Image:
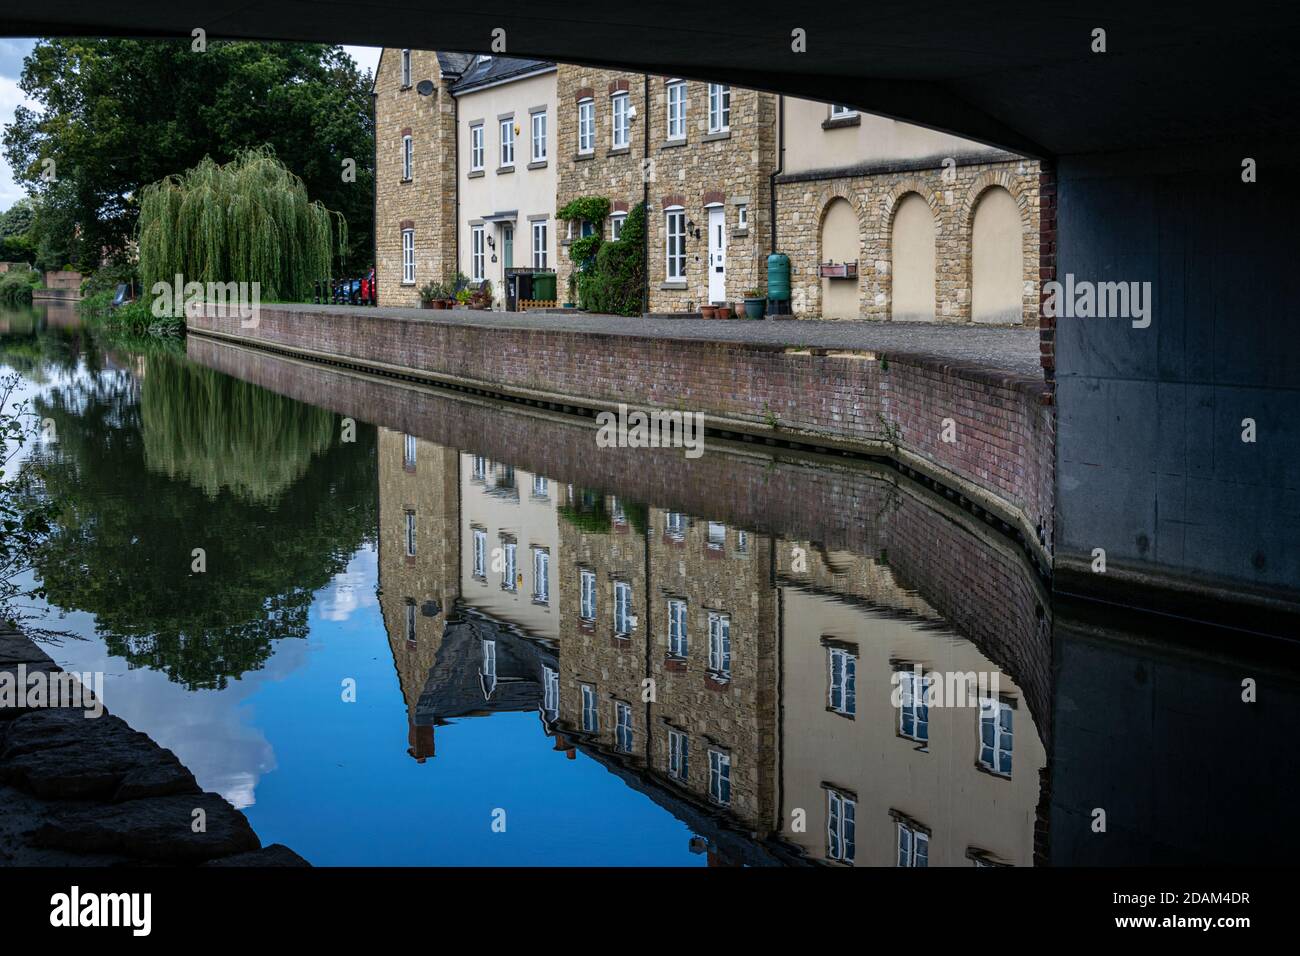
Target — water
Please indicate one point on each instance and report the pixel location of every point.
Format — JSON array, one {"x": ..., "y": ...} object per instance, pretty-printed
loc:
[{"x": 438, "y": 631}]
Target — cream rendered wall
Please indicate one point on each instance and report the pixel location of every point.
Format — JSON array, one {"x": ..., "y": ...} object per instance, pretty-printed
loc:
[
  {"x": 839, "y": 243},
  {"x": 913, "y": 261},
  {"x": 997, "y": 254},
  {"x": 532, "y": 521},
  {"x": 530, "y": 191},
  {"x": 943, "y": 788}
]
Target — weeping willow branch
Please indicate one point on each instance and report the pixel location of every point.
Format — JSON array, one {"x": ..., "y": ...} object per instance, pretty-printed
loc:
[{"x": 247, "y": 221}]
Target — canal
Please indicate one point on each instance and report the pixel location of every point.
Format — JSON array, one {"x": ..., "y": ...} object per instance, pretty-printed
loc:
[{"x": 402, "y": 627}]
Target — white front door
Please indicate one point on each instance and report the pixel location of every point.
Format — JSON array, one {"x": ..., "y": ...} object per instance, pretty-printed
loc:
[{"x": 717, "y": 254}]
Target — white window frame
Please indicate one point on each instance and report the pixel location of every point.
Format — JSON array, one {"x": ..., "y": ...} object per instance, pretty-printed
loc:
[
  {"x": 408, "y": 257},
  {"x": 480, "y": 553},
  {"x": 675, "y": 97},
  {"x": 912, "y": 690},
  {"x": 509, "y": 568},
  {"x": 675, "y": 525},
  {"x": 410, "y": 534},
  {"x": 408, "y": 158},
  {"x": 719, "y": 107},
  {"x": 677, "y": 639},
  {"x": 720, "y": 777},
  {"x": 716, "y": 535},
  {"x": 616, "y": 223},
  {"x": 620, "y": 122},
  {"x": 476, "y": 150},
  {"x": 720, "y": 643},
  {"x": 909, "y": 841},
  {"x": 1003, "y": 741},
  {"x": 742, "y": 215},
  {"x": 539, "y": 231},
  {"x": 410, "y": 620},
  {"x": 674, "y": 229},
  {"x": 477, "y": 252},
  {"x": 586, "y": 126},
  {"x": 406, "y": 69},
  {"x": 541, "y": 575},
  {"x": 842, "y": 694},
  {"x": 541, "y": 487},
  {"x": 624, "y": 735},
  {"x": 538, "y": 123},
  {"x": 622, "y": 608},
  {"x": 841, "y": 826},
  {"x": 590, "y": 710},
  {"x": 839, "y": 111},
  {"x": 489, "y": 668},
  {"x": 679, "y": 755},
  {"x": 409, "y": 445},
  {"x": 742, "y": 542},
  {"x": 507, "y": 154},
  {"x": 550, "y": 689},
  {"x": 587, "y": 592}
]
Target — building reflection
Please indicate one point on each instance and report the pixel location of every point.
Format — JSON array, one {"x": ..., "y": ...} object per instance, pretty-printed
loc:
[{"x": 770, "y": 693}]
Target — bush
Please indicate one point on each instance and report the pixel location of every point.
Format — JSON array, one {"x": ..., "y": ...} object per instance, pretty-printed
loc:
[
  {"x": 16, "y": 286},
  {"x": 614, "y": 283},
  {"x": 137, "y": 318}
]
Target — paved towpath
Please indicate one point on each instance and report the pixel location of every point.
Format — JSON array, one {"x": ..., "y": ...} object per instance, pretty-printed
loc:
[{"x": 994, "y": 348}]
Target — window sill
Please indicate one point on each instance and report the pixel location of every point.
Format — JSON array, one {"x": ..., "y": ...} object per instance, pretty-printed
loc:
[
  {"x": 619, "y": 151},
  {"x": 841, "y": 122},
  {"x": 538, "y": 164},
  {"x": 410, "y": 284},
  {"x": 475, "y": 173},
  {"x": 673, "y": 143},
  {"x": 578, "y": 157},
  {"x": 405, "y": 181},
  {"x": 715, "y": 137},
  {"x": 739, "y": 233},
  {"x": 502, "y": 170},
  {"x": 674, "y": 284},
  {"x": 839, "y": 713},
  {"x": 541, "y": 602}
]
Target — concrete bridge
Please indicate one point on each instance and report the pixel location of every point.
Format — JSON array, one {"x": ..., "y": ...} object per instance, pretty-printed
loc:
[{"x": 1170, "y": 134}]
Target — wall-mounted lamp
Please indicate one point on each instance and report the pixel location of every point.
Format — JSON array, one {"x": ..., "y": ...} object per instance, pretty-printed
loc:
[{"x": 492, "y": 243}]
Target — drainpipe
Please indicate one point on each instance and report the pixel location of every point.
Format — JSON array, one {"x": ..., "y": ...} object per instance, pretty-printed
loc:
[
  {"x": 645, "y": 197},
  {"x": 455, "y": 151},
  {"x": 374, "y": 216},
  {"x": 780, "y": 162}
]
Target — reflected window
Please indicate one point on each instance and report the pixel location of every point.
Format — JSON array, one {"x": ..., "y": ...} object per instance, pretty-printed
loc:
[
  {"x": 913, "y": 712},
  {"x": 842, "y": 112},
  {"x": 996, "y": 736},
  {"x": 408, "y": 452},
  {"x": 508, "y": 569},
  {"x": 678, "y": 755},
  {"x": 720, "y": 777},
  {"x": 742, "y": 542},
  {"x": 677, "y": 628},
  {"x": 675, "y": 525},
  {"x": 913, "y": 845},
  {"x": 550, "y": 691},
  {"x": 623, "y": 620},
  {"x": 541, "y": 575},
  {"x": 480, "y": 553},
  {"x": 480, "y": 468},
  {"x": 841, "y": 814},
  {"x": 489, "y": 669},
  {"x": 410, "y": 534},
  {"x": 541, "y": 487},
  {"x": 843, "y": 683},
  {"x": 410, "y": 620},
  {"x": 587, "y": 580},
  {"x": 623, "y": 726},
  {"x": 717, "y": 535},
  {"x": 590, "y": 718},
  {"x": 720, "y": 643}
]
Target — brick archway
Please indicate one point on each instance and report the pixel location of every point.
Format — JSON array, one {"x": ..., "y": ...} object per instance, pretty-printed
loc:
[
  {"x": 889, "y": 203},
  {"x": 989, "y": 180}
]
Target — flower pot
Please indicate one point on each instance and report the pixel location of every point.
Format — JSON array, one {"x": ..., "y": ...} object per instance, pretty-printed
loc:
[
  {"x": 709, "y": 311},
  {"x": 754, "y": 308},
  {"x": 724, "y": 311},
  {"x": 427, "y": 304}
]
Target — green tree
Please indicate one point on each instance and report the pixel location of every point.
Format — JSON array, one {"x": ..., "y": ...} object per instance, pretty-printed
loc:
[{"x": 118, "y": 114}]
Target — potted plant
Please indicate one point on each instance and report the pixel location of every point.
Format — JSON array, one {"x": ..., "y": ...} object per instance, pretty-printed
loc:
[
  {"x": 724, "y": 310},
  {"x": 463, "y": 298},
  {"x": 429, "y": 294},
  {"x": 755, "y": 302},
  {"x": 709, "y": 311}
]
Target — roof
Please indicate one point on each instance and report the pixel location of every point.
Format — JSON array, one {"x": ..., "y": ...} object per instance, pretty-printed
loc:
[{"x": 496, "y": 69}]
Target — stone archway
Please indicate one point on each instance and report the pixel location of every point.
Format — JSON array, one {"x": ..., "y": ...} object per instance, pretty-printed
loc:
[
  {"x": 992, "y": 263},
  {"x": 915, "y": 244},
  {"x": 839, "y": 239}
]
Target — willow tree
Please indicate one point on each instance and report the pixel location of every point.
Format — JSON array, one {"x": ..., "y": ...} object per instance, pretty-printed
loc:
[{"x": 248, "y": 220}]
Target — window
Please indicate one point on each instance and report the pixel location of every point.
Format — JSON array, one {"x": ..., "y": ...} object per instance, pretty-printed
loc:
[
  {"x": 508, "y": 580},
  {"x": 541, "y": 575},
  {"x": 586, "y": 126},
  {"x": 676, "y": 92},
  {"x": 677, "y": 627},
  {"x": 408, "y": 256},
  {"x": 477, "y": 255},
  {"x": 539, "y": 137},
  {"x": 550, "y": 690},
  {"x": 678, "y": 755},
  {"x": 913, "y": 711},
  {"x": 489, "y": 669},
  {"x": 742, "y": 215},
  {"x": 587, "y": 582},
  {"x": 621, "y": 122},
  {"x": 719, "y": 108},
  {"x": 717, "y": 535},
  {"x": 408, "y": 452},
  {"x": 410, "y": 534},
  {"x": 410, "y": 619},
  {"x": 623, "y": 620},
  {"x": 407, "y": 157},
  {"x": 622, "y": 727},
  {"x": 675, "y": 525},
  {"x": 541, "y": 487},
  {"x": 480, "y": 468},
  {"x": 675, "y": 244},
  {"x": 841, "y": 112},
  {"x": 844, "y": 674},
  {"x": 480, "y": 553},
  {"x": 539, "y": 244},
  {"x": 720, "y": 643},
  {"x": 508, "y": 142},
  {"x": 616, "y": 225},
  {"x": 590, "y": 718},
  {"x": 406, "y": 68},
  {"x": 476, "y": 148},
  {"x": 840, "y": 813},
  {"x": 913, "y": 846},
  {"x": 995, "y": 736},
  {"x": 720, "y": 777},
  {"x": 742, "y": 542}
]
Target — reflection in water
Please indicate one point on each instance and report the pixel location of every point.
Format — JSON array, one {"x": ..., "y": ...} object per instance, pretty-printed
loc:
[{"x": 740, "y": 659}]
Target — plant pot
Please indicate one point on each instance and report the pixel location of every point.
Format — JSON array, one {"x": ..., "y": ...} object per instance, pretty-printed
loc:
[
  {"x": 570, "y": 305},
  {"x": 709, "y": 311},
  {"x": 724, "y": 311},
  {"x": 754, "y": 308},
  {"x": 427, "y": 305}
]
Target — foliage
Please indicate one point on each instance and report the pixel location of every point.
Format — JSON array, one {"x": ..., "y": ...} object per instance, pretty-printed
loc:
[
  {"x": 116, "y": 114},
  {"x": 431, "y": 291},
  {"x": 246, "y": 221},
  {"x": 592, "y": 209},
  {"x": 614, "y": 283},
  {"x": 16, "y": 285},
  {"x": 136, "y": 319},
  {"x": 17, "y": 219}
]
